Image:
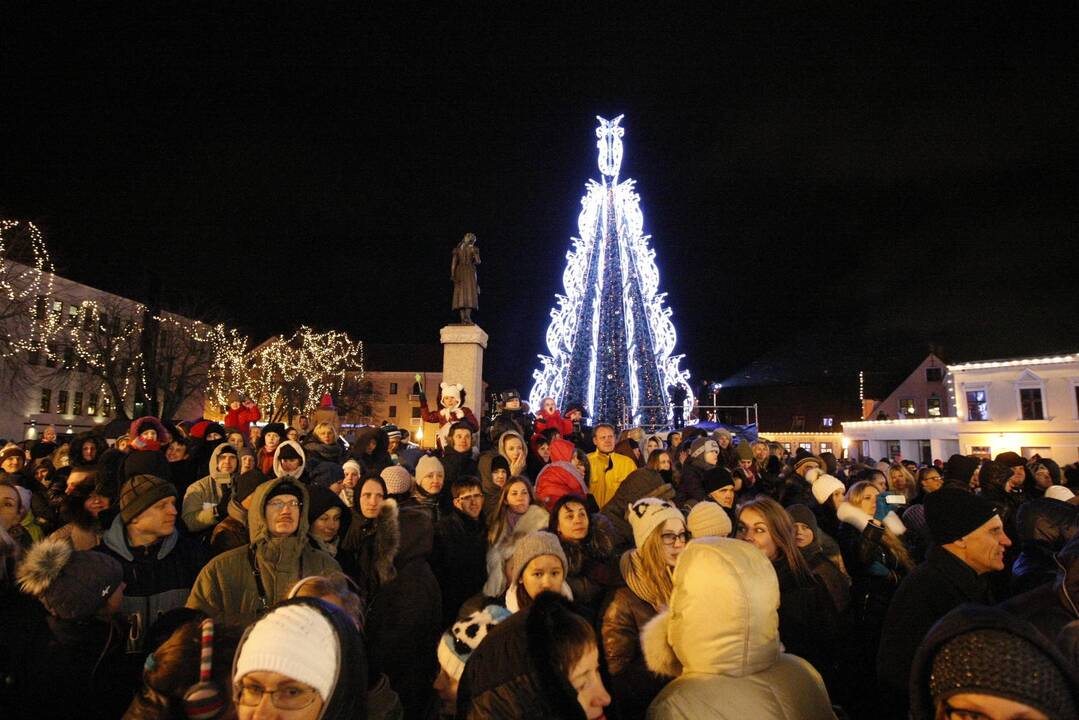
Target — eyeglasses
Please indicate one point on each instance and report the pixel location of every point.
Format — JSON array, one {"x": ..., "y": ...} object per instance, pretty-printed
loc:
[
  {"x": 290, "y": 697},
  {"x": 470, "y": 498},
  {"x": 672, "y": 538},
  {"x": 280, "y": 505}
]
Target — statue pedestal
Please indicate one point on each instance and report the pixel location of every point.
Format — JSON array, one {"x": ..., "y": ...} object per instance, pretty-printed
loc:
[{"x": 462, "y": 362}]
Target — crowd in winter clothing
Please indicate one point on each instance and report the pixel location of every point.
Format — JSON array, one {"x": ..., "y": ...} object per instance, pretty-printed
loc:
[{"x": 530, "y": 567}]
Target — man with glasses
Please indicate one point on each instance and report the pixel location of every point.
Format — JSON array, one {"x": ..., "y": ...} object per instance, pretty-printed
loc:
[
  {"x": 459, "y": 559},
  {"x": 239, "y": 585}
]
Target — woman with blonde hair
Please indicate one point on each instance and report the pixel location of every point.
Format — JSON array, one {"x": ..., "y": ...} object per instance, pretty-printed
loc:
[
  {"x": 877, "y": 561},
  {"x": 901, "y": 481},
  {"x": 516, "y": 514},
  {"x": 512, "y": 447},
  {"x": 660, "y": 534}
]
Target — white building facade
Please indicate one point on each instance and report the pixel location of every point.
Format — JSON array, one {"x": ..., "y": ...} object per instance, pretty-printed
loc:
[{"x": 1024, "y": 405}]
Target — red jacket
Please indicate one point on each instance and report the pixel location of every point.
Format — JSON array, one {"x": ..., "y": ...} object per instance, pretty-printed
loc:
[
  {"x": 445, "y": 418},
  {"x": 559, "y": 477},
  {"x": 242, "y": 417},
  {"x": 546, "y": 420}
]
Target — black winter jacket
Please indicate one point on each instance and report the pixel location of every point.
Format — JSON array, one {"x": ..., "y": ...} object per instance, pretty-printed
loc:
[{"x": 459, "y": 560}]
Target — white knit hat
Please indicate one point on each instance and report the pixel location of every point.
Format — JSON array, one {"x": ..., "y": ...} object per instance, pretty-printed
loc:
[
  {"x": 428, "y": 463},
  {"x": 824, "y": 486},
  {"x": 397, "y": 479},
  {"x": 708, "y": 519},
  {"x": 1059, "y": 492},
  {"x": 647, "y": 514},
  {"x": 296, "y": 641}
]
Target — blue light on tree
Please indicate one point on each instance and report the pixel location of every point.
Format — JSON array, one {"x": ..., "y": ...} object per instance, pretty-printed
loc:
[{"x": 610, "y": 339}]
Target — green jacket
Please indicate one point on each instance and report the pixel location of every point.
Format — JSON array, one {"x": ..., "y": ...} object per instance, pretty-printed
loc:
[{"x": 226, "y": 589}]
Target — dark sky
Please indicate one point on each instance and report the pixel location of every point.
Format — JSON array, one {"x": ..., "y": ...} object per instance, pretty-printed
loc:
[{"x": 866, "y": 183}]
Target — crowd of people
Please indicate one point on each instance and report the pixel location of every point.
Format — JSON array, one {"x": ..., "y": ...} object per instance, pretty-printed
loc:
[{"x": 534, "y": 567}]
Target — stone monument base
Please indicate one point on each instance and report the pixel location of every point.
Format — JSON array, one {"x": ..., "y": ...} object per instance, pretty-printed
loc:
[{"x": 462, "y": 362}]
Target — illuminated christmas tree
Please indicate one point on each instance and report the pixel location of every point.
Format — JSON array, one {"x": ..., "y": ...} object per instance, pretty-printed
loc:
[{"x": 611, "y": 337}]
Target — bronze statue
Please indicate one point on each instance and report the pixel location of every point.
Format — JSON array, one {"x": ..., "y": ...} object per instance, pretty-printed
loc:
[{"x": 466, "y": 289}]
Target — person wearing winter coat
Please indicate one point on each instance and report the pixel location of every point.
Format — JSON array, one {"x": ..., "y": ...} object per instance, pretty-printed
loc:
[
  {"x": 459, "y": 558},
  {"x": 457, "y": 458},
  {"x": 719, "y": 639},
  {"x": 455, "y": 648},
  {"x": 268, "y": 440},
  {"x": 240, "y": 584},
  {"x": 797, "y": 487},
  {"x": 14, "y": 509},
  {"x": 511, "y": 447},
  {"x": 984, "y": 663},
  {"x": 542, "y": 663},
  {"x": 807, "y": 537},
  {"x": 970, "y": 543},
  {"x": 641, "y": 483},
  {"x": 289, "y": 460},
  {"x": 159, "y": 564},
  {"x": 369, "y": 449},
  {"x": 241, "y": 414},
  {"x": 328, "y": 520},
  {"x": 206, "y": 500},
  {"x": 323, "y": 446},
  {"x": 1043, "y": 527},
  {"x": 607, "y": 468},
  {"x": 516, "y": 514},
  {"x": 88, "y": 510},
  {"x": 808, "y": 619},
  {"x": 428, "y": 489},
  {"x": 146, "y": 451},
  {"x": 591, "y": 565},
  {"x": 391, "y": 550},
  {"x": 77, "y": 660},
  {"x": 703, "y": 456},
  {"x": 231, "y": 531},
  {"x": 659, "y": 530},
  {"x": 561, "y": 476},
  {"x": 549, "y": 416},
  {"x": 1054, "y": 604},
  {"x": 310, "y": 655},
  {"x": 453, "y": 411}
]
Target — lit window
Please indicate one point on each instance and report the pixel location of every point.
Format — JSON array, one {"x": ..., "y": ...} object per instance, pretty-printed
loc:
[
  {"x": 76, "y": 409},
  {"x": 61, "y": 402},
  {"x": 977, "y": 405},
  {"x": 982, "y": 451},
  {"x": 786, "y": 446},
  {"x": 806, "y": 446},
  {"x": 826, "y": 447},
  {"x": 935, "y": 407},
  {"x": 908, "y": 408},
  {"x": 1030, "y": 403},
  {"x": 827, "y": 421},
  {"x": 92, "y": 407}
]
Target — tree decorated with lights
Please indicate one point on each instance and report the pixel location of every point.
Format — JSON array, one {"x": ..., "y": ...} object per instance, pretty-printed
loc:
[{"x": 611, "y": 336}]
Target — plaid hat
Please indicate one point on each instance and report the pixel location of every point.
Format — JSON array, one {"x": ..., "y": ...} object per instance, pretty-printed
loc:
[
  {"x": 647, "y": 514},
  {"x": 952, "y": 513},
  {"x": 708, "y": 519},
  {"x": 398, "y": 480},
  {"x": 142, "y": 491},
  {"x": 72, "y": 584},
  {"x": 465, "y": 635}
]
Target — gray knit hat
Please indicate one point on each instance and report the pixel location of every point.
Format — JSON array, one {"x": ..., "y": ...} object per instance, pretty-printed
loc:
[
  {"x": 531, "y": 546},
  {"x": 398, "y": 480},
  {"x": 142, "y": 491},
  {"x": 72, "y": 584}
]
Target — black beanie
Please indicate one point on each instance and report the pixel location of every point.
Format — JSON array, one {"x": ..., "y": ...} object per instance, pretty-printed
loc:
[
  {"x": 960, "y": 467},
  {"x": 716, "y": 478},
  {"x": 321, "y": 499},
  {"x": 286, "y": 488},
  {"x": 952, "y": 513},
  {"x": 994, "y": 474},
  {"x": 146, "y": 425},
  {"x": 246, "y": 484},
  {"x": 287, "y": 452},
  {"x": 500, "y": 463}
]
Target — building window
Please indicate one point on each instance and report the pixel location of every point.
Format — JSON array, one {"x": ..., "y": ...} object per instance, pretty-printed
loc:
[
  {"x": 50, "y": 358},
  {"x": 806, "y": 446},
  {"x": 69, "y": 356},
  {"x": 934, "y": 374},
  {"x": 826, "y": 447},
  {"x": 61, "y": 402},
  {"x": 907, "y": 408},
  {"x": 981, "y": 451},
  {"x": 827, "y": 421},
  {"x": 92, "y": 407},
  {"x": 393, "y": 388},
  {"x": 87, "y": 320},
  {"x": 798, "y": 422},
  {"x": 786, "y": 446},
  {"x": 46, "y": 400},
  {"x": 73, "y": 315},
  {"x": 977, "y": 405},
  {"x": 416, "y": 413},
  {"x": 58, "y": 310},
  {"x": 894, "y": 450},
  {"x": 106, "y": 406},
  {"x": 934, "y": 407},
  {"x": 76, "y": 409},
  {"x": 925, "y": 452},
  {"x": 393, "y": 411},
  {"x": 39, "y": 308},
  {"x": 1030, "y": 404}
]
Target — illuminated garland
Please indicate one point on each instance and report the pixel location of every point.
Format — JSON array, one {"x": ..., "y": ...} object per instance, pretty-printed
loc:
[
  {"x": 611, "y": 337},
  {"x": 20, "y": 286}
]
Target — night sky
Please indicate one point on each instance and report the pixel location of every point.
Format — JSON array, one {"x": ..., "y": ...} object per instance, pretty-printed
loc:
[{"x": 856, "y": 186}]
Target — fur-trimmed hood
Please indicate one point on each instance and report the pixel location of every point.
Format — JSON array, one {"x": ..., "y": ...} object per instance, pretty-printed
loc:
[
  {"x": 163, "y": 435},
  {"x": 691, "y": 636},
  {"x": 277, "y": 471},
  {"x": 534, "y": 518}
]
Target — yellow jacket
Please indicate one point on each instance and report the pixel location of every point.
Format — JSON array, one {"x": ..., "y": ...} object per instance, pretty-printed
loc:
[{"x": 604, "y": 482}]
